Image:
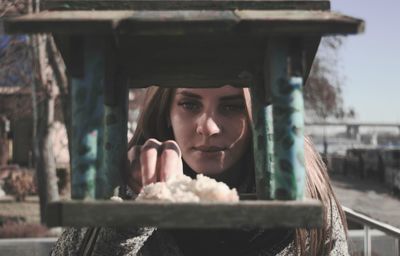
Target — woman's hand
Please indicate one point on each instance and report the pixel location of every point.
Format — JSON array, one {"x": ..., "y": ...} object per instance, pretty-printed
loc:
[{"x": 152, "y": 162}]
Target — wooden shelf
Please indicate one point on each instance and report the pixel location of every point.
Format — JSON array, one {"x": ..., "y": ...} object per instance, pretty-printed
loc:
[{"x": 248, "y": 213}]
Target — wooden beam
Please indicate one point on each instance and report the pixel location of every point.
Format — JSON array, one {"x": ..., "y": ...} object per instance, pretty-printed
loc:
[
  {"x": 130, "y": 22},
  {"x": 150, "y": 23},
  {"x": 262, "y": 214},
  {"x": 185, "y": 5},
  {"x": 114, "y": 144},
  {"x": 192, "y": 61},
  {"x": 78, "y": 22},
  {"x": 297, "y": 23}
]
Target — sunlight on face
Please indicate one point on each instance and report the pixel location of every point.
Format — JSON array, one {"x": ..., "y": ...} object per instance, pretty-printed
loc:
[{"x": 211, "y": 127}]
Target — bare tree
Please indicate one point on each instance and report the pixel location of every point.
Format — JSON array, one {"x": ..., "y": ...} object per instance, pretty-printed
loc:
[
  {"x": 43, "y": 80},
  {"x": 323, "y": 92},
  {"x": 43, "y": 120}
]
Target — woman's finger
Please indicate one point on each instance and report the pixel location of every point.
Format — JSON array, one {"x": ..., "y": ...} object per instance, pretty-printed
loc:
[
  {"x": 170, "y": 160},
  {"x": 133, "y": 152},
  {"x": 134, "y": 170},
  {"x": 148, "y": 161}
]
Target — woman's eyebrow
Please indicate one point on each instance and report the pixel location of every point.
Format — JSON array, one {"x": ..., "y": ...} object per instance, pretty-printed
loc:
[
  {"x": 232, "y": 97},
  {"x": 189, "y": 94},
  {"x": 223, "y": 98}
]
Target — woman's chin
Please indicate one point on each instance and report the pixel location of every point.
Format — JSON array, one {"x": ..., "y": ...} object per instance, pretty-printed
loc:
[{"x": 209, "y": 170}]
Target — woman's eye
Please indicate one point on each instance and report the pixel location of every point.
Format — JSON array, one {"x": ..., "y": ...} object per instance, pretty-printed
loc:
[
  {"x": 233, "y": 108},
  {"x": 188, "y": 105}
]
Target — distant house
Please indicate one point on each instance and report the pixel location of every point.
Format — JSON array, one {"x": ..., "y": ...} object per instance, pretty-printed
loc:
[
  {"x": 16, "y": 125},
  {"x": 15, "y": 95}
]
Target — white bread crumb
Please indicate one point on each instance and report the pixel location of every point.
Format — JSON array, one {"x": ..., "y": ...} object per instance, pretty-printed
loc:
[
  {"x": 184, "y": 189},
  {"x": 116, "y": 199}
]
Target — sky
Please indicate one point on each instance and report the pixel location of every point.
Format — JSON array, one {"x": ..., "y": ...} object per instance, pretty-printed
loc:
[{"x": 370, "y": 62}]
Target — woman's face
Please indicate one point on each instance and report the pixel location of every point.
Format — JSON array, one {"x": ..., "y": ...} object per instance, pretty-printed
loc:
[{"x": 211, "y": 127}]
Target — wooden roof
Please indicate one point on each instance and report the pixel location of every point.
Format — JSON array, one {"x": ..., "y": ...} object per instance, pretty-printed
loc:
[
  {"x": 145, "y": 22},
  {"x": 185, "y": 5},
  {"x": 238, "y": 23},
  {"x": 172, "y": 17}
]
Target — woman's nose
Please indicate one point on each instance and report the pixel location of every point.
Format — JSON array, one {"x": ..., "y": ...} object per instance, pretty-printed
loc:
[{"x": 208, "y": 126}]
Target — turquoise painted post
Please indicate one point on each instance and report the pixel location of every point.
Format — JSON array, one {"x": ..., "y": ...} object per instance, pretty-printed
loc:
[
  {"x": 87, "y": 113},
  {"x": 115, "y": 125},
  {"x": 288, "y": 117},
  {"x": 262, "y": 146}
]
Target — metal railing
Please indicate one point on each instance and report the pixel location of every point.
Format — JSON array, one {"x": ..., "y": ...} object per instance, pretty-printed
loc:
[{"x": 369, "y": 224}]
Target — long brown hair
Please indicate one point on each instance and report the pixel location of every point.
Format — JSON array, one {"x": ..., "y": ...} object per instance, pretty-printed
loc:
[
  {"x": 153, "y": 118},
  {"x": 153, "y": 123},
  {"x": 318, "y": 186}
]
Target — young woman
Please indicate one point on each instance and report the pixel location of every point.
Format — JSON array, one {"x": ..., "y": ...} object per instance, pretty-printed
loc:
[{"x": 208, "y": 131}]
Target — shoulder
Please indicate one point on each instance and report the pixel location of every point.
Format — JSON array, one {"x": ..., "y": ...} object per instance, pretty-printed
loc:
[
  {"x": 338, "y": 229},
  {"x": 102, "y": 241},
  {"x": 161, "y": 243},
  {"x": 124, "y": 242},
  {"x": 69, "y": 242}
]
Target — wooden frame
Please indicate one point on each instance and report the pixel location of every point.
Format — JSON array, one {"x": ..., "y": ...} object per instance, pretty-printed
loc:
[
  {"x": 267, "y": 45},
  {"x": 261, "y": 214},
  {"x": 238, "y": 22},
  {"x": 185, "y": 5}
]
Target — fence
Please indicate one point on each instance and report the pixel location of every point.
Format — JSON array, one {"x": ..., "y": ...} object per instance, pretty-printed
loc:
[{"x": 388, "y": 235}]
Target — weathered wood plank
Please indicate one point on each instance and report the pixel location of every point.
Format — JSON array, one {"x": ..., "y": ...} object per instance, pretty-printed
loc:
[
  {"x": 192, "y": 66},
  {"x": 185, "y": 80},
  {"x": 185, "y": 5},
  {"x": 132, "y": 22},
  {"x": 263, "y": 214},
  {"x": 80, "y": 22},
  {"x": 186, "y": 22},
  {"x": 191, "y": 61},
  {"x": 114, "y": 144},
  {"x": 196, "y": 61},
  {"x": 297, "y": 22}
]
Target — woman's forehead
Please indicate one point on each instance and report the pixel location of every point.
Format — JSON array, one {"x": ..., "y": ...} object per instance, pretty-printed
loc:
[{"x": 226, "y": 90}]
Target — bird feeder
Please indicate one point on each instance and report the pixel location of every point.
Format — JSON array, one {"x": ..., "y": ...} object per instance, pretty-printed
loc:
[{"x": 110, "y": 46}]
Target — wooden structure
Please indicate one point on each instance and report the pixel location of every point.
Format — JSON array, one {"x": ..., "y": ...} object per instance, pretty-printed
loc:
[{"x": 108, "y": 45}]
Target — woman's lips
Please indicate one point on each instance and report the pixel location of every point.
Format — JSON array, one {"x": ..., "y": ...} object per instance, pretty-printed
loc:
[{"x": 209, "y": 149}]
